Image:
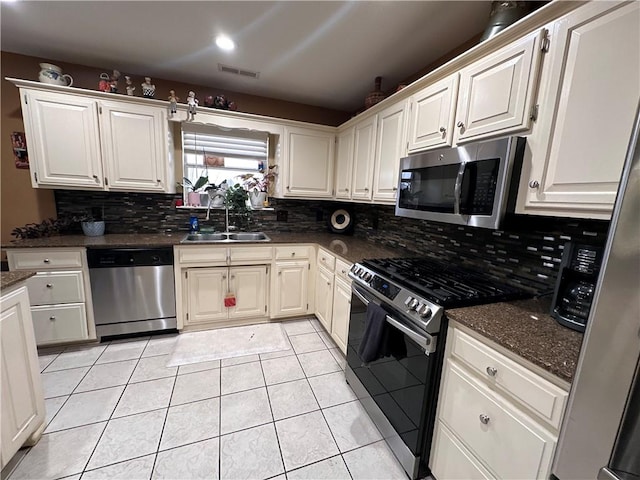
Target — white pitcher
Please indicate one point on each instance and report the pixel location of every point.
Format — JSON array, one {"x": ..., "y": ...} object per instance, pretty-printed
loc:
[{"x": 52, "y": 74}]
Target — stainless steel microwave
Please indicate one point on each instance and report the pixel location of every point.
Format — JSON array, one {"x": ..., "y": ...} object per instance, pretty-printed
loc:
[{"x": 468, "y": 185}]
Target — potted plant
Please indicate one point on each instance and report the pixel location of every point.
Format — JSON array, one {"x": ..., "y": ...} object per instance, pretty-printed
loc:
[
  {"x": 235, "y": 198},
  {"x": 93, "y": 223},
  {"x": 216, "y": 193},
  {"x": 258, "y": 187},
  {"x": 193, "y": 196}
]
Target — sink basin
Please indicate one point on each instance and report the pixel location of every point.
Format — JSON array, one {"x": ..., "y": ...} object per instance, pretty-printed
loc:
[
  {"x": 249, "y": 237},
  {"x": 224, "y": 237}
]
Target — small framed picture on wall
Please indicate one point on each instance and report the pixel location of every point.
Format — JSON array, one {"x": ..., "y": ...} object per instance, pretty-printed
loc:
[{"x": 19, "y": 144}]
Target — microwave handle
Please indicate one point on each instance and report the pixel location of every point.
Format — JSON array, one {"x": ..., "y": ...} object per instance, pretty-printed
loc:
[{"x": 458, "y": 188}]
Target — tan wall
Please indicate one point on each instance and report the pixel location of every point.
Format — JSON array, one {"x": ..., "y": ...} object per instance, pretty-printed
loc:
[{"x": 21, "y": 204}]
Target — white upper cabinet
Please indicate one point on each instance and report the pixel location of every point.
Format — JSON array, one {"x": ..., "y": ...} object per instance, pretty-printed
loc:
[
  {"x": 363, "y": 158},
  {"x": 79, "y": 142},
  {"x": 432, "y": 115},
  {"x": 390, "y": 146},
  {"x": 496, "y": 93},
  {"x": 63, "y": 140},
  {"x": 308, "y": 162},
  {"x": 344, "y": 164},
  {"x": 134, "y": 146},
  {"x": 588, "y": 98}
]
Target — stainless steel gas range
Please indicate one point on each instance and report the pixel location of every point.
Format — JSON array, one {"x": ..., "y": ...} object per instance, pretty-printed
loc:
[{"x": 400, "y": 394}]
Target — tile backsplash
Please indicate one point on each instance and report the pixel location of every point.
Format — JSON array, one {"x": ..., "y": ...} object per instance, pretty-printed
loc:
[{"x": 525, "y": 253}]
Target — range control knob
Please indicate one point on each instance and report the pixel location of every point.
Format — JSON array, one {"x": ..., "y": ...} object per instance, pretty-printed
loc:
[
  {"x": 424, "y": 311},
  {"x": 362, "y": 274},
  {"x": 408, "y": 301},
  {"x": 368, "y": 277},
  {"x": 413, "y": 304}
]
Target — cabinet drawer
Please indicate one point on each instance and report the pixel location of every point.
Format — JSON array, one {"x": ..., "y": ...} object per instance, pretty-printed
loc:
[
  {"x": 291, "y": 252},
  {"x": 56, "y": 287},
  {"x": 451, "y": 460},
  {"x": 326, "y": 259},
  {"x": 202, "y": 254},
  {"x": 39, "y": 259},
  {"x": 342, "y": 270},
  {"x": 59, "y": 324},
  {"x": 507, "y": 441},
  {"x": 533, "y": 391},
  {"x": 250, "y": 254}
]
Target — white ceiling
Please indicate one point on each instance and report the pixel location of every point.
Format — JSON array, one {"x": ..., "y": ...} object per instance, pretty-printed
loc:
[{"x": 324, "y": 53}]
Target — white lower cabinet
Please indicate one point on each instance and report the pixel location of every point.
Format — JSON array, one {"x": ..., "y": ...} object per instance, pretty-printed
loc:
[
  {"x": 341, "y": 313},
  {"x": 486, "y": 427},
  {"x": 208, "y": 287},
  {"x": 324, "y": 297},
  {"x": 290, "y": 289},
  {"x": 21, "y": 396},
  {"x": 333, "y": 296},
  {"x": 60, "y": 293}
]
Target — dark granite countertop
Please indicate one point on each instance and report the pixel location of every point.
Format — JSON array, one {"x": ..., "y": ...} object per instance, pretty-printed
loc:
[
  {"x": 8, "y": 279},
  {"x": 349, "y": 248},
  {"x": 525, "y": 328}
]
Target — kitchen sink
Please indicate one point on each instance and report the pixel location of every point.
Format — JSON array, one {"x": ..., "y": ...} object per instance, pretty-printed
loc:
[{"x": 224, "y": 237}]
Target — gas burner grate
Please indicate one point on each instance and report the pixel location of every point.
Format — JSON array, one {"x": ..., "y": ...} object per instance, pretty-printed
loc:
[{"x": 443, "y": 283}]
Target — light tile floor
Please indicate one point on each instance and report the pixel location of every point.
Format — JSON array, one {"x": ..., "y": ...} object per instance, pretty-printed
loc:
[{"x": 115, "y": 411}]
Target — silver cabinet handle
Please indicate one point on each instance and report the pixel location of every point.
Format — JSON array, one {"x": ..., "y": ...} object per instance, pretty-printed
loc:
[
  {"x": 279, "y": 273},
  {"x": 95, "y": 177},
  {"x": 293, "y": 254},
  {"x": 484, "y": 419},
  {"x": 395, "y": 189},
  {"x": 460, "y": 124},
  {"x": 52, "y": 317},
  {"x": 49, "y": 285},
  {"x": 224, "y": 277},
  {"x": 534, "y": 184},
  {"x": 492, "y": 371},
  {"x": 329, "y": 283},
  {"x": 288, "y": 187},
  {"x": 443, "y": 130},
  {"x": 343, "y": 272},
  {"x": 366, "y": 189},
  {"x": 46, "y": 260},
  {"x": 346, "y": 189}
]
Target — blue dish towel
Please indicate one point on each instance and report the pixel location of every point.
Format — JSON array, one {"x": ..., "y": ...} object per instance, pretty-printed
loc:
[{"x": 380, "y": 339}]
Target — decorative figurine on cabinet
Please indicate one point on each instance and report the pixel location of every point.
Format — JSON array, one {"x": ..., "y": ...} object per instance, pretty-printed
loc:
[
  {"x": 104, "y": 85},
  {"x": 130, "y": 87},
  {"x": 148, "y": 89},
  {"x": 173, "y": 103},
  {"x": 192, "y": 103},
  {"x": 113, "y": 85}
]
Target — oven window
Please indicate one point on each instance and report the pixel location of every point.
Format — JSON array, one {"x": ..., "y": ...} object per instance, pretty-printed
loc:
[
  {"x": 430, "y": 188},
  {"x": 399, "y": 387}
]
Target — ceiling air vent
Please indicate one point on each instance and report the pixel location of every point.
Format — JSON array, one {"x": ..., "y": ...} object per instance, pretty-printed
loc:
[{"x": 238, "y": 71}]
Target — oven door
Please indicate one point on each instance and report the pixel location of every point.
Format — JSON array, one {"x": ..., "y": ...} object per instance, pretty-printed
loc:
[{"x": 398, "y": 394}]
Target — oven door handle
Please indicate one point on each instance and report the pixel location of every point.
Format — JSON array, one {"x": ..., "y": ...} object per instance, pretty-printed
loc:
[
  {"x": 426, "y": 342},
  {"x": 457, "y": 190}
]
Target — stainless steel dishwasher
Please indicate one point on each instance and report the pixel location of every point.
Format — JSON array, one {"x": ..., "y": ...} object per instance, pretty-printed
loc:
[{"x": 133, "y": 290}]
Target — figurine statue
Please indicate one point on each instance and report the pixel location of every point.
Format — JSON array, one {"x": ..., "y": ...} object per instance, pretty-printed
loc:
[
  {"x": 173, "y": 103},
  {"x": 148, "y": 89},
  {"x": 192, "y": 103},
  {"x": 113, "y": 86},
  {"x": 130, "y": 87}
]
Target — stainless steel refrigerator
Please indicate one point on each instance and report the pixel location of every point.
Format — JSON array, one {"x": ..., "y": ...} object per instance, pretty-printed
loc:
[{"x": 600, "y": 433}]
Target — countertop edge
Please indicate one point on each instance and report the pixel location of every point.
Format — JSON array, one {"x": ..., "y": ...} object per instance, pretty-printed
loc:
[{"x": 11, "y": 279}]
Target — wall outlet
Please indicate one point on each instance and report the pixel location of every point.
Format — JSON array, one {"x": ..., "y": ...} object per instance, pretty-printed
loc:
[{"x": 282, "y": 215}]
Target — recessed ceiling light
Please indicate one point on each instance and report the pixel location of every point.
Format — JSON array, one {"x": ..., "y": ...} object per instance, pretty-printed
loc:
[{"x": 225, "y": 43}]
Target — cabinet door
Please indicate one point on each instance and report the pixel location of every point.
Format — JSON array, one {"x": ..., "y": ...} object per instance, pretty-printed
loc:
[
  {"x": 363, "y": 157},
  {"x": 344, "y": 164},
  {"x": 588, "y": 102},
  {"x": 290, "y": 292},
  {"x": 432, "y": 115},
  {"x": 390, "y": 146},
  {"x": 249, "y": 284},
  {"x": 341, "y": 314},
  {"x": 309, "y": 163},
  {"x": 21, "y": 388},
  {"x": 497, "y": 92},
  {"x": 206, "y": 288},
  {"x": 134, "y": 145},
  {"x": 324, "y": 297},
  {"x": 63, "y": 140}
]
